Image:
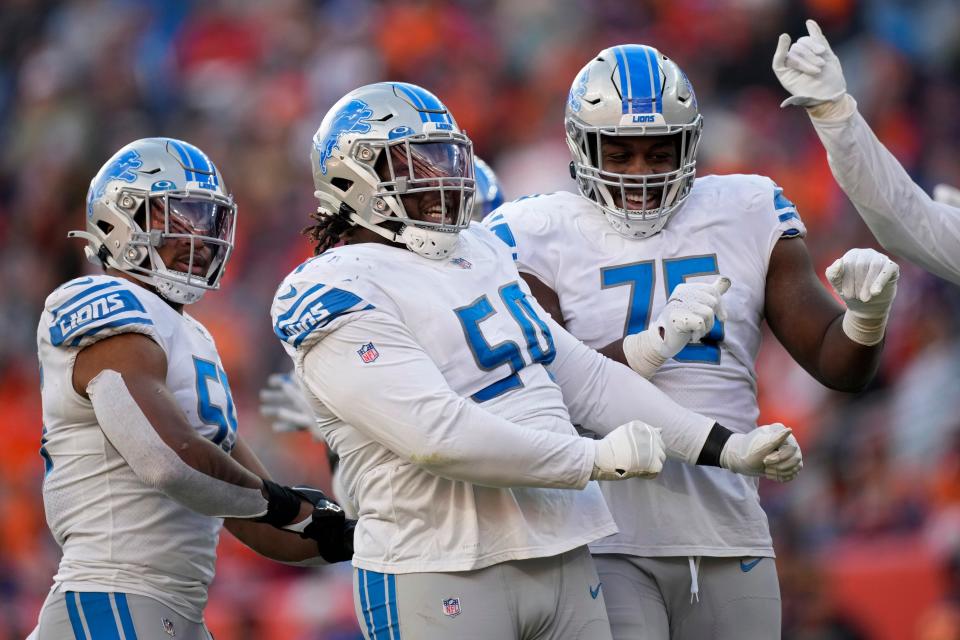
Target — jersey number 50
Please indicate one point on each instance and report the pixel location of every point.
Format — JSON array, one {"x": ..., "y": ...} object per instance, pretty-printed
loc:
[
  {"x": 489, "y": 356},
  {"x": 224, "y": 418}
]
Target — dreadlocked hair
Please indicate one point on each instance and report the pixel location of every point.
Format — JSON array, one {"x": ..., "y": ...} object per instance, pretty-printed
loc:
[{"x": 329, "y": 229}]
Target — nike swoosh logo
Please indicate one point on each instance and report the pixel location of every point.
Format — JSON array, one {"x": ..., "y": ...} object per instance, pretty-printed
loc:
[
  {"x": 289, "y": 294},
  {"x": 595, "y": 592},
  {"x": 747, "y": 565}
]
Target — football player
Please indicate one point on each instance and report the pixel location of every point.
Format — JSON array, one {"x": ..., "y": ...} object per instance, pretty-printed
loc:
[
  {"x": 641, "y": 232},
  {"x": 425, "y": 358},
  {"x": 899, "y": 213},
  {"x": 140, "y": 440}
]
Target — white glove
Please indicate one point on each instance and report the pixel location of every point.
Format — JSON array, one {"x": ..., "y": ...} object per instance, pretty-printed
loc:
[
  {"x": 866, "y": 280},
  {"x": 947, "y": 195},
  {"x": 770, "y": 451},
  {"x": 283, "y": 400},
  {"x": 632, "y": 450},
  {"x": 687, "y": 317},
  {"x": 810, "y": 70},
  {"x": 786, "y": 461}
]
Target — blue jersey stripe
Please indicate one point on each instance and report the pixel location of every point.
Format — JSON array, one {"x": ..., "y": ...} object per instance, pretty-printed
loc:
[
  {"x": 781, "y": 201},
  {"x": 99, "y": 615},
  {"x": 322, "y": 308},
  {"x": 109, "y": 325},
  {"x": 295, "y": 305},
  {"x": 126, "y": 620},
  {"x": 70, "y": 597},
  {"x": 364, "y": 608},
  {"x": 782, "y": 205},
  {"x": 502, "y": 231},
  {"x": 789, "y": 215},
  {"x": 93, "y": 312},
  {"x": 83, "y": 294}
]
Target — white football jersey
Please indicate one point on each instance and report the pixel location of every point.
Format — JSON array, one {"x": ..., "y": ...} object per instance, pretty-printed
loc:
[
  {"x": 470, "y": 314},
  {"x": 609, "y": 286},
  {"x": 118, "y": 534}
]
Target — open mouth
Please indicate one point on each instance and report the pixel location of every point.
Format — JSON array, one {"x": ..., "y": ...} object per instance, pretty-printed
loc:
[
  {"x": 428, "y": 209},
  {"x": 636, "y": 201},
  {"x": 432, "y": 213}
]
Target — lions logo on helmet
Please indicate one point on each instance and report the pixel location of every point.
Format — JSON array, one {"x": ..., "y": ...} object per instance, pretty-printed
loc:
[
  {"x": 390, "y": 157},
  {"x": 632, "y": 90},
  {"x": 156, "y": 191}
]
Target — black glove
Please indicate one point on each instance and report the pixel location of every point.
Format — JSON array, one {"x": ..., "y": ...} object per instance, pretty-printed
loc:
[
  {"x": 327, "y": 525},
  {"x": 283, "y": 504}
]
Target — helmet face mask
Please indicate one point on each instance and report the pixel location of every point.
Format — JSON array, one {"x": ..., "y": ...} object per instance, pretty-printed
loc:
[
  {"x": 392, "y": 158},
  {"x": 630, "y": 92},
  {"x": 158, "y": 211}
]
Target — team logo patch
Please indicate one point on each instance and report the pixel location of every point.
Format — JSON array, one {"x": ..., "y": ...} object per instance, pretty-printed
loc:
[
  {"x": 168, "y": 627},
  {"x": 368, "y": 353},
  {"x": 451, "y": 607},
  {"x": 463, "y": 263}
]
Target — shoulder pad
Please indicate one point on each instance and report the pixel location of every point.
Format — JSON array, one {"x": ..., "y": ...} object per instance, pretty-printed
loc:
[
  {"x": 305, "y": 306},
  {"x": 86, "y": 310}
]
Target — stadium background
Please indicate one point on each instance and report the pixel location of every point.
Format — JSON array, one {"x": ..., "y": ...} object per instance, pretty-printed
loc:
[{"x": 868, "y": 537}]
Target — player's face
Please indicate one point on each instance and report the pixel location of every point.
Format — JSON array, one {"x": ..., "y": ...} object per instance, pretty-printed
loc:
[
  {"x": 638, "y": 156},
  {"x": 175, "y": 252},
  {"x": 425, "y": 165}
]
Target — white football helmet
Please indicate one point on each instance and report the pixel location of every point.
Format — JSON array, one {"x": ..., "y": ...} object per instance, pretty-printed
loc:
[
  {"x": 390, "y": 140},
  {"x": 632, "y": 90},
  {"x": 151, "y": 191}
]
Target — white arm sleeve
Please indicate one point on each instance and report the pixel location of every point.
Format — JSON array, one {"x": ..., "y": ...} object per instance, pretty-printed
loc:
[
  {"x": 402, "y": 401},
  {"x": 904, "y": 219},
  {"x": 602, "y": 394},
  {"x": 156, "y": 464}
]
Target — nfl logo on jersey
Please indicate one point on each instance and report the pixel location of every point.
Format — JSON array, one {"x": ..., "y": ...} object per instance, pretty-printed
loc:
[
  {"x": 451, "y": 607},
  {"x": 368, "y": 353}
]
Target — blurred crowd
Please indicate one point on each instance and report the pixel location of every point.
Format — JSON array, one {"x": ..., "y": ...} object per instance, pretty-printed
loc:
[{"x": 868, "y": 537}]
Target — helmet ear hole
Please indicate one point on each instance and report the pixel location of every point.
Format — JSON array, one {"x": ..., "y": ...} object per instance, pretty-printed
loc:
[{"x": 342, "y": 184}]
